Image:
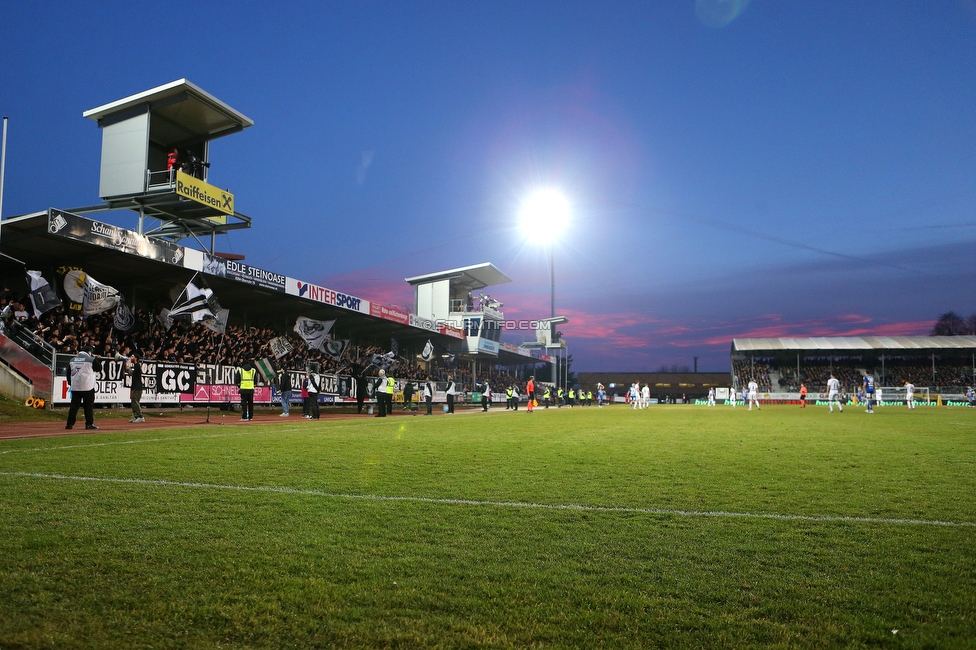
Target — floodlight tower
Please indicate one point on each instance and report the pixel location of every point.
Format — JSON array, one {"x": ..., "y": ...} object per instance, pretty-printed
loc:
[{"x": 545, "y": 214}]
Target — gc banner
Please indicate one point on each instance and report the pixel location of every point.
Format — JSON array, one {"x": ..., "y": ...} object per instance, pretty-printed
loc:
[{"x": 175, "y": 377}]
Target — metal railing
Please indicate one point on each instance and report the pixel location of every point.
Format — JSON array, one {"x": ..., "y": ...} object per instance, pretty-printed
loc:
[
  {"x": 32, "y": 343},
  {"x": 165, "y": 179}
]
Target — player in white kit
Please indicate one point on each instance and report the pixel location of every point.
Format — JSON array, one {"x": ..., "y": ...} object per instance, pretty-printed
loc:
[
  {"x": 833, "y": 390},
  {"x": 732, "y": 396},
  {"x": 753, "y": 394},
  {"x": 711, "y": 397},
  {"x": 910, "y": 394},
  {"x": 645, "y": 396}
]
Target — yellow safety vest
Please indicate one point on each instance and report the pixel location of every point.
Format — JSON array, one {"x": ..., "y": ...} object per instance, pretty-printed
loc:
[
  {"x": 572, "y": 394},
  {"x": 247, "y": 379},
  {"x": 390, "y": 385}
]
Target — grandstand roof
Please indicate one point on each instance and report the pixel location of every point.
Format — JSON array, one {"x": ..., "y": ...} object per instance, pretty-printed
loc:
[
  {"x": 186, "y": 107},
  {"x": 476, "y": 276},
  {"x": 847, "y": 343},
  {"x": 29, "y": 239}
]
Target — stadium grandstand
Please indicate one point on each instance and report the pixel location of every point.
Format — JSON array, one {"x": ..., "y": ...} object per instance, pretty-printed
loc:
[
  {"x": 939, "y": 366},
  {"x": 943, "y": 365},
  {"x": 114, "y": 286}
]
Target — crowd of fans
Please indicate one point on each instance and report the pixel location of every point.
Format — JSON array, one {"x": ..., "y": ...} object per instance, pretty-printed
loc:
[
  {"x": 815, "y": 376},
  {"x": 68, "y": 332},
  {"x": 746, "y": 370},
  {"x": 894, "y": 372}
]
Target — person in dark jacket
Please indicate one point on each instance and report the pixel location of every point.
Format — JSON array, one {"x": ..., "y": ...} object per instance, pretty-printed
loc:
[
  {"x": 428, "y": 394},
  {"x": 134, "y": 368},
  {"x": 408, "y": 391},
  {"x": 451, "y": 392},
  {"x": 284, "y": 389},
  {"x": 362, "y": 387},
  {"x": 314, "y": 388}
]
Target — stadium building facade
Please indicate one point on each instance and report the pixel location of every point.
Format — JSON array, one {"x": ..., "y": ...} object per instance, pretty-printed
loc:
[{"x": 155, "y": 170}]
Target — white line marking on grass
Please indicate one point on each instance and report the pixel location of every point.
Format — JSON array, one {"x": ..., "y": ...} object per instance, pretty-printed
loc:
[
  {"x": 277, "y": 431},
  {"x": 131, "y": 442},
  {"x": 502, "y": 504}
]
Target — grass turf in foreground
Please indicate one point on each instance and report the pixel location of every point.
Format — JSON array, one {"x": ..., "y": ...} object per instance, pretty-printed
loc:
[{"x": 86, "y": 563}]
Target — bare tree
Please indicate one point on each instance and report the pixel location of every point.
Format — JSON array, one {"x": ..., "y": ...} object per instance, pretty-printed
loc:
[
  {"x": 971, "y": 324},
  {"x": 950, "y": 324}
]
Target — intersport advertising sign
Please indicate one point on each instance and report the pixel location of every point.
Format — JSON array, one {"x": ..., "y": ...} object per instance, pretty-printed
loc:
[{"x": 325, "y": 296}]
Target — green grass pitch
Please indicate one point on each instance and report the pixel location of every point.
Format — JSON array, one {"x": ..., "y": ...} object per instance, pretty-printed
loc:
[{"x": 665, "y": 528}]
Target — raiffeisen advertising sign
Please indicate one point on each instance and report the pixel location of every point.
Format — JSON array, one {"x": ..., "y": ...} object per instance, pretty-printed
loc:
[
  {"x": 326, "y": 296},
  {"x": 196, "y": 190}
]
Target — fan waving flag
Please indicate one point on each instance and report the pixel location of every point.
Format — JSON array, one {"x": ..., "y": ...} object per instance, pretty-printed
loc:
[
  {"x": 335, "y": 349},
  {"x": 266, "y": 368},
  {"x": 280, "y": 346},
  {"x": 383, "y": 361},
  {"x": 164, "y": 319},
  {"x": 98, "y": 297},
  {"x": 124, "y": 319},
  {"x": 219, "y": 322},
  {"x": 446, "y": 355},
  {"x": 195, "y": 303},
  {"x": 42, "y": 295},
  {"x": 314, "y": 332}
]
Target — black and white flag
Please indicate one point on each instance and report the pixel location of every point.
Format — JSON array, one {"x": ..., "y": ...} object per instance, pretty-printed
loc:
[
  {"x": 428, "y": 352},
  {"x": 394, "y": 346},
  {"x": 218, "y": 323},
  {"x": 280, "y": 346},
  {"x": 42, "y": 295},
  {"x": 164, "y": 319},
  {"x": 448, "y": 356},
  {"x": 124, "y": 319},
  {"x": 336, "y": 349},
  {"x": 195, "y": 303},
  {"x": 98, "y": 297},
  {"x": 383, "y": 361},
  {"x": 314, "y": 332}
]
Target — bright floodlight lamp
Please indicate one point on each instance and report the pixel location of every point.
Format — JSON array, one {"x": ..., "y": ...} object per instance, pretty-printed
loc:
[{"x": 545, "y": 214}]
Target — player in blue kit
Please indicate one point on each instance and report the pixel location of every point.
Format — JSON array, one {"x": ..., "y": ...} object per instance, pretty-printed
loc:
[{"x": 869, "y": 392}]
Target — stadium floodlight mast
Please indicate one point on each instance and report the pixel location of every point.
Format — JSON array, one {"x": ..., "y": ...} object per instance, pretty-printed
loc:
[
  {"x": 3, "y": 162},
  {"x": 3, "y": 165},
  {"x": 544, "y": 216}
]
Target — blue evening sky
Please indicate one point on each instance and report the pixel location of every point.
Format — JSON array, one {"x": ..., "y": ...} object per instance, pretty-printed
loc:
[{"x": 763, "y": 168}]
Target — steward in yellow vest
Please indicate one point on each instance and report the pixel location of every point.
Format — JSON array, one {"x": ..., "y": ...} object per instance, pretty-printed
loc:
[
  {"x": 390, "y": 389},
  {"x": 245, "y": 383}
]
